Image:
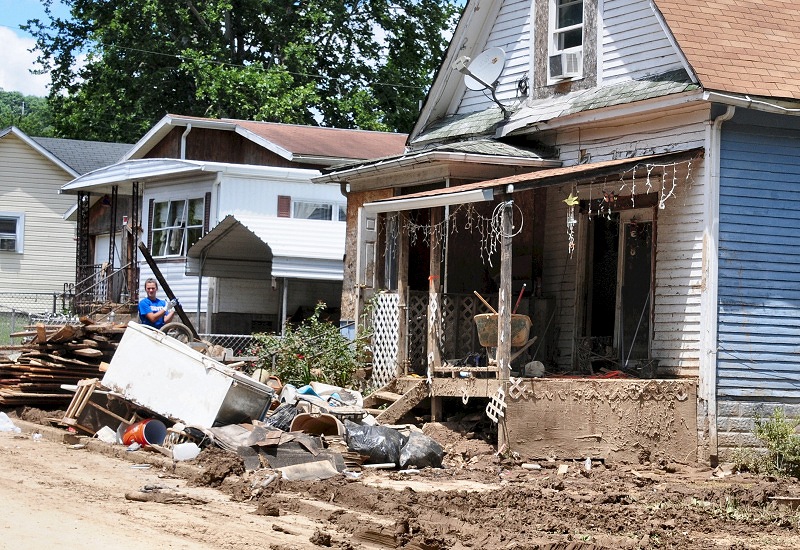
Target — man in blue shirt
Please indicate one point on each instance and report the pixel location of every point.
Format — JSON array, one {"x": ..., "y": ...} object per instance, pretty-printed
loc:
[{"x": 153, "y": 311}]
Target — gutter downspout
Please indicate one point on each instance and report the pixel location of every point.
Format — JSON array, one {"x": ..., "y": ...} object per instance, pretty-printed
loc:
[
  {"x": 708, "y": 356},
  {"x": 183, "y": 140}
]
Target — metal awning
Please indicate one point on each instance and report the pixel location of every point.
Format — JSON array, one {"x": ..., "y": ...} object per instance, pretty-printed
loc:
[
  {"x": 485, "y": 190},
  {"x": 261, "y": 247}
]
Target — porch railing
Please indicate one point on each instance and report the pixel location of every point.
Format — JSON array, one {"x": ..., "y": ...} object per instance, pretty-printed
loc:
[{"x": 97, "y": 284}]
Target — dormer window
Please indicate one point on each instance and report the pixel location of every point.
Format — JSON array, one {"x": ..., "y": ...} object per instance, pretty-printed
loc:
[{"x": 566, "y": 40}]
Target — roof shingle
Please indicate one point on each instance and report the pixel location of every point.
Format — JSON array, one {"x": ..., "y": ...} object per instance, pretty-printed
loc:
[{"x": 740, "y": 46}]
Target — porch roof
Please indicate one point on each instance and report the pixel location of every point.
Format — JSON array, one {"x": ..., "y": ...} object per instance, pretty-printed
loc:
[
  {"x": 485, "y": 190},
  {"x": 260, "y": 247}
]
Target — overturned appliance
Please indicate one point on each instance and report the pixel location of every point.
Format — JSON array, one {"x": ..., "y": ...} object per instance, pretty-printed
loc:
[{"x": 164, "y": 375}]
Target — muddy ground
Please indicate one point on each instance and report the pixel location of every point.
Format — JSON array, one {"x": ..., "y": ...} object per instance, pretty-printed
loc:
[{"x": 479, "y": 500}]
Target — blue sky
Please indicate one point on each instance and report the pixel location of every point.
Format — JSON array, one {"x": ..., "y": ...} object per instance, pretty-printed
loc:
[{"x": 15, "y": 59}]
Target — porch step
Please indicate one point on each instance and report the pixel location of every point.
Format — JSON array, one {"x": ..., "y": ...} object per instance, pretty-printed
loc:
[{"x": 388, "y": 396}]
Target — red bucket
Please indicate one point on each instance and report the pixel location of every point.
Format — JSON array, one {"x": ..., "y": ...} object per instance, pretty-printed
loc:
[{"x": 145, "y": 432}]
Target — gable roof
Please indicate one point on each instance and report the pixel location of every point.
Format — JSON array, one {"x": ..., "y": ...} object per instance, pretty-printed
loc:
[
  {"x": 739, "y": 46},
  {"x": 74, "y": 156},
  {"x": 84, "y": 156},
  {"x": 308, "y": 144}
]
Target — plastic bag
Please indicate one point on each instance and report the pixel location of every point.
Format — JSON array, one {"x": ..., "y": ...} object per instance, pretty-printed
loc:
[
  {"x": 420, "y": 451},
  {"x": 6, "y": 425},
  {"x": 380, "y": 444},
  {"x": 282, "y": 417}
]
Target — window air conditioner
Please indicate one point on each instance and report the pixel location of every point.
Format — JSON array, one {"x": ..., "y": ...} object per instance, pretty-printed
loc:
[{"x": 566, "y": 64}]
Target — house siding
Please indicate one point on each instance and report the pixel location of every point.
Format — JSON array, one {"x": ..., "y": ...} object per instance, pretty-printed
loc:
[
  {"x": 758, "y": 335},
  {"x": 634, "y": 45},
  {"x": 29, "y": 184},
  {"x": 676, "y": 322},
  {"x": 512, "y": 32}
]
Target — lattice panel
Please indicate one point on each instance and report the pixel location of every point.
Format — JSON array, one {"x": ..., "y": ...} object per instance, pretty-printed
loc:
[
  {"x": 460, "y": 337},
  {"x": 417, "y": 331},
  {"x": 385, "y": 324}
]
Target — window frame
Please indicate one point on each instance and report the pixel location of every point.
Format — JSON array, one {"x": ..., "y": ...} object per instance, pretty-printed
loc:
[
  {"x": 555, "y": 34},
  {"x": 179, "y": 227},
  {"x": 19, "y": 233},
  {"x": 338, "y": 210}
]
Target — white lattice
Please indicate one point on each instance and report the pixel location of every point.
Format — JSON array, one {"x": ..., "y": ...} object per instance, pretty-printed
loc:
[{"x": 385, "y": 323}]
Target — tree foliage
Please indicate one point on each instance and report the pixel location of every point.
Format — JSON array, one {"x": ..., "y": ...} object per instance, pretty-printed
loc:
[
  {"x": 119, "y": 66},
  {"x": 29, "y": 113}
]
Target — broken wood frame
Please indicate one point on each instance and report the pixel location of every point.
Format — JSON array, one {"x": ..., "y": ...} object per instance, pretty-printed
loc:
[{"x": 83, "y": 398}]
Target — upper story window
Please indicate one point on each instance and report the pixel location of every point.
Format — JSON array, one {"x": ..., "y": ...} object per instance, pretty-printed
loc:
[
  {"x": 177, "y": 225},
  {"x": 11, "y": 229},
  {"x": 566, "y": 40},
  {"x": 311, "y": 210}
]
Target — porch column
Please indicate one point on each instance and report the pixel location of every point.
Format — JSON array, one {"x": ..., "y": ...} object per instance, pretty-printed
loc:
[
  {"x": 434, "y": 309},
  {"x": 504, "y": 314},
  {"x": 402, "y": 299}
]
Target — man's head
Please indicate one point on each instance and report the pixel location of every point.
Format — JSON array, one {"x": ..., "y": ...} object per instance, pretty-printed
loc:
[{"x": 151, "y": 288}]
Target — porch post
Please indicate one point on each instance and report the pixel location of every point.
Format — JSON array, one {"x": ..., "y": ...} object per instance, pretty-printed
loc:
[
  {"x": 434, "y": 308},
  {"x": 402, "y": 299},
  {"x": 504, "y": 315}
]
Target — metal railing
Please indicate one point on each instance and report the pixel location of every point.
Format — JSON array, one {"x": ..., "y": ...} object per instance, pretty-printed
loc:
[{"x": 98, "y": 284}]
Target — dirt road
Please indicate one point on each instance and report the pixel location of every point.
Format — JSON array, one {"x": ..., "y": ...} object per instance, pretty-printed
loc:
[{"x": 52, "y": 495}]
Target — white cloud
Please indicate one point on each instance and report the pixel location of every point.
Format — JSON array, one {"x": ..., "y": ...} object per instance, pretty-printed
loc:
[{"x": 16, "y": 64}]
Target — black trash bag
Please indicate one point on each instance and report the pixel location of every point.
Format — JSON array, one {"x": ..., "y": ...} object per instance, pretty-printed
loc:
[
  {"x": 420, "y": 451},
  {"x": 380, "y": 444},
  {"x": 282, "y": 417}
]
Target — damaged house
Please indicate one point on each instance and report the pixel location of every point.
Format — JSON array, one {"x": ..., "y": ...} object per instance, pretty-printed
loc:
[
  {"x": 227, "y": 213},
  {"x": 622, "y": 173}
]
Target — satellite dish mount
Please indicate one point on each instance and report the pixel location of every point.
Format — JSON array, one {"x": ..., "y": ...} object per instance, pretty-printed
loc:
[{"x": 483, "y": 72}]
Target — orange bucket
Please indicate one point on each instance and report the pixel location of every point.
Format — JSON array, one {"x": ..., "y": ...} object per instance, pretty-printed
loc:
[{"x": 145, "y": 432}]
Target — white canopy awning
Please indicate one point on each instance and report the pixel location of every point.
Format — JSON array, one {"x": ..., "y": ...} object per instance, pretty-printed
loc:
[{"x": 261, "y": 247}]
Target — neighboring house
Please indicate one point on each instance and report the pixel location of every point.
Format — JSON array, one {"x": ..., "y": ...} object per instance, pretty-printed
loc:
[
  {"x": 228, "y": 212},
  {"x": 635, "y": 164},
  {"x": 37, "y": 244}
]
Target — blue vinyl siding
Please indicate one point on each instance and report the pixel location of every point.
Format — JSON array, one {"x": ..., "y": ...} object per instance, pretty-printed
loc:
[{"x": 759, "y": 261}]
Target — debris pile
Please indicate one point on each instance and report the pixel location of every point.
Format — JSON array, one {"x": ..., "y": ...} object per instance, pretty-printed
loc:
[
  {"x": 159, "y": 394},
  {"x": 33, "y": 372}
]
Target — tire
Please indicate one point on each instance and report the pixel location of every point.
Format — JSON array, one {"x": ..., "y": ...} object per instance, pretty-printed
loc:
[{"x": 179, "y": 331}]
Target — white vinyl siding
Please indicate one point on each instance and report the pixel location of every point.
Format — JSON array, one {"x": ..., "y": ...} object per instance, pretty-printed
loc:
[
  {"x": 679, "y": 230},
  {"x": 511, "y": 32},
  {"x": 634, "y": 44},
  {"x": 29, "y": 184}
]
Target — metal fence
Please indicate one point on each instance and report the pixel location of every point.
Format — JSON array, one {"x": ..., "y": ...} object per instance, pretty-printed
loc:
[
  {"x": 239, "y": 343},
  {"x": 21, "y": 309}
]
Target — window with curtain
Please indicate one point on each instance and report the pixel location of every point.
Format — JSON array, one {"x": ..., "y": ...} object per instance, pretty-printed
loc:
[{"x": 177, "y": 225}]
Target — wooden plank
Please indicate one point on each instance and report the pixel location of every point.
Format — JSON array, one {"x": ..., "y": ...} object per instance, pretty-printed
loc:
[{"x": 408, "y": 401}]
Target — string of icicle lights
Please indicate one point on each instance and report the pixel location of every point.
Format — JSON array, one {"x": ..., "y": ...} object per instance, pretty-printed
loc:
[{"x": 464, "y": 217}]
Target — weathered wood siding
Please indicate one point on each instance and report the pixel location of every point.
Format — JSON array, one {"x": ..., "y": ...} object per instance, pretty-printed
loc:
[
  {"x": 759, "y": 262},
  {"x": 512, "y": 32},
  {"x": 29, "y": 184},
  {"x": 676, "y": 326},
  {"x": 634, "y": 44}
]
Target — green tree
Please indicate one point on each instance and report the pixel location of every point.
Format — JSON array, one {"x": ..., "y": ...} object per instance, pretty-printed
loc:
[
  {"x": 118, "y": 66},
  {"x": 29, "y": 113}
]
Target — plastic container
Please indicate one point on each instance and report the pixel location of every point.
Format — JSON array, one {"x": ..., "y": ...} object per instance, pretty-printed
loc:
[
  {"x": 145, "y": 432},
  {"x": 486, "y": 324}
]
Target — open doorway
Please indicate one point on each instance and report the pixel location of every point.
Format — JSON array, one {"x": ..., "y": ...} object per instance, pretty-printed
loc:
[{"x": 619, "y": 267}]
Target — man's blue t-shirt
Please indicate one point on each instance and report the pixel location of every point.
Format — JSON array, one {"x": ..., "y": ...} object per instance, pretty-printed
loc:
[{"x": 146, "y": 305}]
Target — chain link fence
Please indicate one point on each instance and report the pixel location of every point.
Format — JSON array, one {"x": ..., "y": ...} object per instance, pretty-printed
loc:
[
  {"x": 21, "y": 309},
  {"x": 239, "y": 343}
]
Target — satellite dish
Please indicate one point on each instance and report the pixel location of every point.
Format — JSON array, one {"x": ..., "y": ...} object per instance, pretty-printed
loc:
[{"x": 485, "y": 69}]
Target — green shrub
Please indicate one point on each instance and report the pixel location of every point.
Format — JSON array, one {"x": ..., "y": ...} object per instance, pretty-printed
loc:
[
  {"x": 781, "y": 453},
  {"x": 313, "y": 350}
]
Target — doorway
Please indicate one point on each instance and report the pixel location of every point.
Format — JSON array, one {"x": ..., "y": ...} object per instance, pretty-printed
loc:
[{"x": 618, "y": 287}]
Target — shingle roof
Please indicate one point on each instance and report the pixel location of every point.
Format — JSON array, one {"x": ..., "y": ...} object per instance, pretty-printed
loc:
[
  {"x": 322, "y": 141},
  {"x": 740, "y": 46},
  {"x": 84, "y": 156}
]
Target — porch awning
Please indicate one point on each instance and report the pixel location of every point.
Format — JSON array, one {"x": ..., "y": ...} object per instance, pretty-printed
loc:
[
  {"x": 260, "y": 247},
  {"x": 485, "y": 190}
]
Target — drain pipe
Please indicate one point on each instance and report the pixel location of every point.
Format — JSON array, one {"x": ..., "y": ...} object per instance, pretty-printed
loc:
[
  {"x": 708, "y": 355},
  {"x": 183, "y": 140}
]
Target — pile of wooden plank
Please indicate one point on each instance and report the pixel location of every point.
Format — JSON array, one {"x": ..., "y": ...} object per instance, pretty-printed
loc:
[{"x": 32, "y": 373}]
